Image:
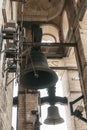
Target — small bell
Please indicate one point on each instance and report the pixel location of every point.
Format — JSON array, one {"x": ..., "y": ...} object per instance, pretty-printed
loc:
[
  {"x": 37, "y": 74},
  {"x": 53, "y": 117}
]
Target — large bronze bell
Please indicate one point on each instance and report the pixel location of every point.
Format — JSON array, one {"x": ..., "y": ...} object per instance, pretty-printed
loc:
[
  {"x": 37, "y": 74},
  {"x": 53, "y": 117}
]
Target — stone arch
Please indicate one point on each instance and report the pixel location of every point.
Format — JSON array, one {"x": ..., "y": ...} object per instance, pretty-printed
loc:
[{"x": 50, "y": 32}]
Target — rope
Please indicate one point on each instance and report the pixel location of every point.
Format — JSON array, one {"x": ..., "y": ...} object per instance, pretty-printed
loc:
[{"x": 35, "y": 73}]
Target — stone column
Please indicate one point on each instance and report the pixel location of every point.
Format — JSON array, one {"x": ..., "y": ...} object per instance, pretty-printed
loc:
[{"x": 80, "y": 52}]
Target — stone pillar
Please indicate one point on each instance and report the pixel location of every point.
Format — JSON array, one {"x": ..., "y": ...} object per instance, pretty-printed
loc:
[
  {"x": 27, "y": 102},
  {"x": 80, "y": 52},
  {"x": 6, "y": 95}
]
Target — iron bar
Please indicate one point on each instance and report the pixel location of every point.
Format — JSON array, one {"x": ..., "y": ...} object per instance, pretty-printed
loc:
[
  {"x": 77, "y": 113},
  {"x": 65, "y": 68},
  {"x": 75, "y": 92},
  {"x": 50, "y": 44},
  {"x": 30, "y": 44},
  {"x": 57, "y": 99},
  {"x": 78, "y": 99}
]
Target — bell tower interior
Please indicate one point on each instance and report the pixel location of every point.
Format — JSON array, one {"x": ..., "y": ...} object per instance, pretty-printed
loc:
[{"x": 43, "y": 61}]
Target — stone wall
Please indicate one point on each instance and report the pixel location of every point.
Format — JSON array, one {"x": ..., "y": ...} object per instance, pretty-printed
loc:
[
  {"x": 6, "y": 92},
  {"x": 5, "y": 104}
]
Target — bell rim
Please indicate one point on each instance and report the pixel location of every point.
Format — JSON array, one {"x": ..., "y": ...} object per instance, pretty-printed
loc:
[
  {"x": 53, "y": 120},
  {"x": 49, "y": 121},
  {"x": 38, "y": 69}
]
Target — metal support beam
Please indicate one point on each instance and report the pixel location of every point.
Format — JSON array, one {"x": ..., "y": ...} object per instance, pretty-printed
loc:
[
  {"x": 57, "y": 99},
  {"x": 28, "y": 44},
  {"x": 50, "y": 44},
  {"x": 65, "y": 68},
  {"x": 77, "y": 113}
]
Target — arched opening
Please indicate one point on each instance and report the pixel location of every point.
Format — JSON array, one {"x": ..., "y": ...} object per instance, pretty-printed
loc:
[{"x": 50, "y": 33}]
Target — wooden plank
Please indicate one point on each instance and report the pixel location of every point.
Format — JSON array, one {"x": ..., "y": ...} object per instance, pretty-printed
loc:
[{"x": 57, "y": 44}]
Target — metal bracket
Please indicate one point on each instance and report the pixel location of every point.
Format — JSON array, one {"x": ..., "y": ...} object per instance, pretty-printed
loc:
[
  {"x": 77, "y": 113},
  {"x": 52, "y": 99},
  {"x": 57, "y": 99},
  {"x": 7, "y": 83}
]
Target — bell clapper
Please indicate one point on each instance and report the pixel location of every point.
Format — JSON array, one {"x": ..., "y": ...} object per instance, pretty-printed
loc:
[{"x": 36, "y": 75}]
